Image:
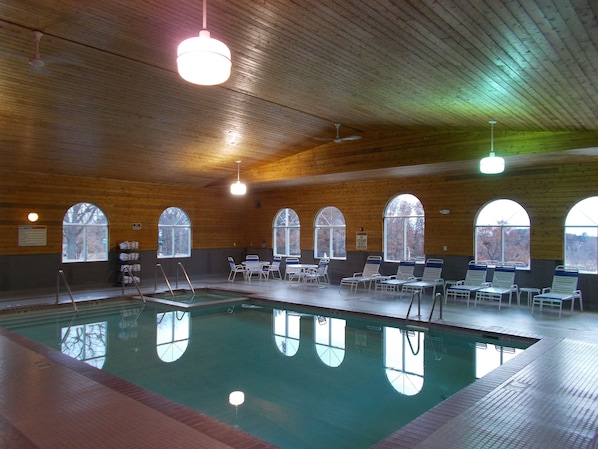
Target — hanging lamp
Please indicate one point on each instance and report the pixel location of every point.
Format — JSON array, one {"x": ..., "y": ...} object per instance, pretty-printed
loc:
[
  {"x": 204, "y": 60},
  {"x": 238, "y": 188},
  {"x": 492, "y": 164}
]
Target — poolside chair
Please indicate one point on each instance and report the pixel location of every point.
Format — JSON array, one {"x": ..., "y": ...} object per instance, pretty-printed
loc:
[
  {"x": 370, "y": 273},
  {"x": 273, "y": 268},
  {"x": 503, "y": 283},
  {"x": 564, "y": 288},
  {"x": 474, "y": 281},
  {"x": 234, "y": 269},
  {"x": 293, "y": 271},
  {"x": 253, "y": 266},
  {"x": 394, "y": 282},
  {"x": 318, "y": 275},
  {"x": 431, "y": 277}
]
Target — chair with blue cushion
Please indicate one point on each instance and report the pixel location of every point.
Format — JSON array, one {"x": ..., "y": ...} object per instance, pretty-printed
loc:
[
  {"x": 370, "y": 272},
  {"x": 564, "y": 288},
  {"x": 394, "y": 282},
  {"x": 234, "y": 269},
  {"x": 475, "y": 277},
  {"x": 502, "y": 284},
  {"x": 253, "y": 266},
  {"x": 431, "y": 278}
]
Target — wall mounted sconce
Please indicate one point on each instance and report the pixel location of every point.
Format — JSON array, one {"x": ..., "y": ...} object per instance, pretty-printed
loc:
[
  {"x": 445, "y": 211},
  {"x": 33, "y": 217}
]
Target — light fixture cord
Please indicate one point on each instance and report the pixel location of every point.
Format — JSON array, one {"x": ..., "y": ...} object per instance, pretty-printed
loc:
[
  {"x": 205, "y": 17},
  {"x": 492, "y": 137},
  {"x": 238, "y": 171}
]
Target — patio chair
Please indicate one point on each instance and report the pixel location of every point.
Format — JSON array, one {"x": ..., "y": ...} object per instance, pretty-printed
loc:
[
  {"x": 431, "y": 277},
  {"x": 253, "y": 266},
  {"x": 318, "y": 275},
  {"x": 293, "y": 271},
  {"x": 564, "y": 288},
  {"x": 394, "y": 282},
  {"x": 474, "y": 281},
  {"x": 503, "y": 283},
  {"x": 234, "y": 269},
  {"x": 370, "y": 273},
  {"x": 273, "y": 268}
]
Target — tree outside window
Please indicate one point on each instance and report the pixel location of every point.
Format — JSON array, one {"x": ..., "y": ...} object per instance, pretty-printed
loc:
[
  {"x": 502, "y": 233},
  {"x": 330, "y": 234},
  {"x": 174, "y": 234},
  {"x": 404, "y": 229},
  {"x": 84, "y": 234},
  {"x": 581, "y": 235},
  {"x": 286, "y": 233}
]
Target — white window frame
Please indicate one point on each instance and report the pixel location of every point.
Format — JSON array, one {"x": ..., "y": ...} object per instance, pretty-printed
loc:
[
  {"x": 184, "y": 224},
  {"x": 581, "y": 228},
  {"x": 92, "y": 220},
  {"x": 338, "y": 229},
  {"x": 409, "y": 251},
  {"x": 287, "y": 221}
]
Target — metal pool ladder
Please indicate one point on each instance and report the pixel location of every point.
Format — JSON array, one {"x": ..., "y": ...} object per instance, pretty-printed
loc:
[
  {"x": 180, "y": 265},
  {"x": 68, "y": 289},
  {"x": 127, "y": 269},
  {"x": 438, "y": 297}
]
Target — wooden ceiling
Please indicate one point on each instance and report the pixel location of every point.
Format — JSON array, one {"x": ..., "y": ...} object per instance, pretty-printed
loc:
[{"x": 417, "y": 80}]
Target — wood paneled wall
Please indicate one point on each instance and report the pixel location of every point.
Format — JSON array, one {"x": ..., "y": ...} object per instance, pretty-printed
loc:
[
  {"x": 215, "y": 215},
  {"x": 546, "y": 194}
]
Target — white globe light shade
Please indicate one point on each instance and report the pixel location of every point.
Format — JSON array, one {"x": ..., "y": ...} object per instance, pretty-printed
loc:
[
  {"x": 236, "y": 398},
  {"x": 203, "y": 60},
  {"x": 492, "y": 164},
  {"x": 32, "y": 217},
  {"x": 238, "y": 188}
]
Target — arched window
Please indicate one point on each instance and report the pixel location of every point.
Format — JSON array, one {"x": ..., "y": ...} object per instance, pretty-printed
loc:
[
  {"x": 84, "y": 234},
  {"x": 404, "y": 229},
  {"x": 286, "y": 233},
  {"x": 330, "y": 234},
  {"x": 581, "y": 235},
  {"x": 174, "y": 234},
  {"x": 502, "y": 233}
]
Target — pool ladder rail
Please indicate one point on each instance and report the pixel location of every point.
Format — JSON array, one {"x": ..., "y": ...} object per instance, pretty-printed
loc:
[
  {"x": 127, "y": 269},
  {"x": 179, "y": 266},
  {"x": 437, "y": 298},
  {"x": 68, "y": 289}
]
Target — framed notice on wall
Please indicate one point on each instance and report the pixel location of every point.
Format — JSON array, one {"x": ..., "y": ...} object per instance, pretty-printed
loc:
[
  {"x": 32, "y": 235},
  {"x": 361, "y": 241}
]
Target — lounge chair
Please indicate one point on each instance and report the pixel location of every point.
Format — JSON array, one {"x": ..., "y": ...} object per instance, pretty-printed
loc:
[
  {"x": 503, "y": 283},
  {"x": 564, "y": 288},
  {"x": 394, "y": 282},
  {"x": 234, "y": 269},
  {"x": 431, "y": 277},
  {"x": 474, "y": 281},
  {"x": 370, "y": 272}
]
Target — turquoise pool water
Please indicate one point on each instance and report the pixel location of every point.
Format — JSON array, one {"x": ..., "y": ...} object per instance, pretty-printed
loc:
[
  {"x": 191, "y": 298},
  {"x": 309, "y": 380}
]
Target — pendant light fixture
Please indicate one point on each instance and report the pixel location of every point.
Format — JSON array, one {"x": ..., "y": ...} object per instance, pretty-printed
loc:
[
  {"x": 238, "y": 188},
  {"x": 203, "y": 60},
  {"x": 492, "y": 164}
]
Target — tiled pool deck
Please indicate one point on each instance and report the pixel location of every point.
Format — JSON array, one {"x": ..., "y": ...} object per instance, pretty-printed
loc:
[{"x": 546, "y": 397}]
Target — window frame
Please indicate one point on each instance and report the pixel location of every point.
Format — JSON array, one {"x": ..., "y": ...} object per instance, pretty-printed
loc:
[
  {"x": 288, "y": 229},
  {"x": 590, "y": 215},
  {"x": 406, "y": 243},
  {"x": 333, "y": 230},
  {"x": 173, "y": 227},
  {"x": 93, "y": 210}
]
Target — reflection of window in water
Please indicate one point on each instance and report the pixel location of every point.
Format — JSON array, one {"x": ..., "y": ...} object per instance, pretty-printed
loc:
[
  {"x": 172, "y": 335},
  {"x": 489, "y": 357},
  {"x": 286, "y": 331},
  {"x": 330, "y": 340},
  {"x": 404, "y": 360},
  {"x": 86, "y": 342}
]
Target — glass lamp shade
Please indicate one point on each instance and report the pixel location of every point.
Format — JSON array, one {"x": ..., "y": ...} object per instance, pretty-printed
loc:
[
  {"x": 236, "y": 398},
  {"x": 492, "y": 164},
  {"x": 203, "y": 60},
  {"x": 238, "y": 188}
]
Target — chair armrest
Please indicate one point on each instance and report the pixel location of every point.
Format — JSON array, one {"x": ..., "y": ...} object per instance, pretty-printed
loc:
[
  {"x": 546, "y": 289},
  {"x": 459, "y": 283},
  {"x": 486, "y": 284},
  {"x": 358, "y": 274}
]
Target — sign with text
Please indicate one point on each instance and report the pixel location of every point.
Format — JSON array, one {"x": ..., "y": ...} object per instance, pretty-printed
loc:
[{"x": 32, "y": 235}]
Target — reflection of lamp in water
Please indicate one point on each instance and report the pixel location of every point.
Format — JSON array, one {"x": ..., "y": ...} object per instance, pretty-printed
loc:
[{"x": 236, "y": 398}]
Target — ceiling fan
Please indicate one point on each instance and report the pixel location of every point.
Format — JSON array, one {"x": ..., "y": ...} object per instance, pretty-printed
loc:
[{"x": 338, "y": 138}]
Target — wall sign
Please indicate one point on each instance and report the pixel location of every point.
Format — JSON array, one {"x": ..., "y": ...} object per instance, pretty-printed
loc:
[
  {"x": 32, "y": 235},
  {"x": 361, "y": 241}
]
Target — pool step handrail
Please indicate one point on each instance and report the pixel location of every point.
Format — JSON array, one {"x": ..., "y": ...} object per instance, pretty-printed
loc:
[
  {"x": 437, "y": 298},
  {"x": 413, "y": 294},
  {"x": 158, "y": 265},
  {"x": 127, "y": 269},
  {"x": 180, "y": 265},
  {"x": 68, "y": 289}
]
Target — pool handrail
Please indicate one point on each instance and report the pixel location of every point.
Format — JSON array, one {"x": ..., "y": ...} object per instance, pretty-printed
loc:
[
  {"x": 413, "y": 293},
  {"x": 158, "y": 265},
  {"x": 126, "y": 268},
  {"x": 68, "y": 288},
  {"x": 180, "y": 265},
  {"x": 438, "y": 297}
]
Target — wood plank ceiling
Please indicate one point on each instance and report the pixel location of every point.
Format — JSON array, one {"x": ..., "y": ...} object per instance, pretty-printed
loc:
[{"x": 417, "y": 80}]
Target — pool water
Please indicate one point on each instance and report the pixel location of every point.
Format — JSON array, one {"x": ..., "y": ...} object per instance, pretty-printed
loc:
[
  {"x": 188, "y": 298},
  {"x": 309, "y": 380}
]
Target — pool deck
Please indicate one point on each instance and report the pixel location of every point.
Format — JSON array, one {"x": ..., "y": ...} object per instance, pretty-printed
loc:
[{"x": 546, "y": 397}]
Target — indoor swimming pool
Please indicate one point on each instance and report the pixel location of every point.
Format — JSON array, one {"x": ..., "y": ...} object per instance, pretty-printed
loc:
[
  {"x": 298, "y": 378},
  {"x": 192, "y": 298}
]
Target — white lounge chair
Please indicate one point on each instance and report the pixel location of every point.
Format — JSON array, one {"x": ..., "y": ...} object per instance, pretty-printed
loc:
[
  {"x": 234, "y": 269},
  {"x": 394, "y": 282},
  {"x": 564, "y": 288},
  {"x": 503, "y": 283},
  {"x": 431, "y": 277},
  {"x": 370, "y": 272},
  {"x": 474, "y": 281}
]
